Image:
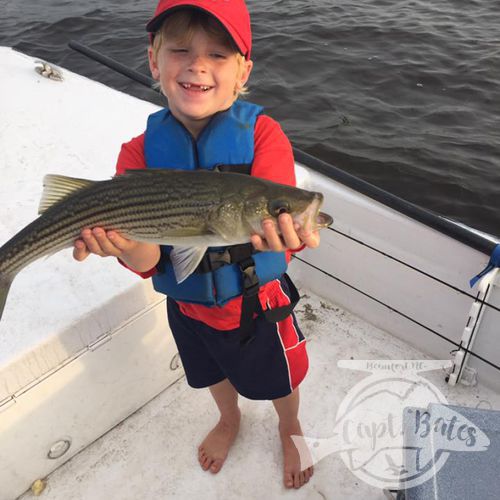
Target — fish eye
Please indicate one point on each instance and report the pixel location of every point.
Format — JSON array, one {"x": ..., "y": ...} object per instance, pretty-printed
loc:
[{"x": 277, "y": 207}]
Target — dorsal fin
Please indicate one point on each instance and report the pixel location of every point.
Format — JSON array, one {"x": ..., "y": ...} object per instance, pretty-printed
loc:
[{"x": 58, "y": 187}]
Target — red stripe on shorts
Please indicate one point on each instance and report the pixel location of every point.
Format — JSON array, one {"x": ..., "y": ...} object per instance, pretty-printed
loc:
[
  {"x": 293, "y": 347},
  {"x": 294, "y": 351}
]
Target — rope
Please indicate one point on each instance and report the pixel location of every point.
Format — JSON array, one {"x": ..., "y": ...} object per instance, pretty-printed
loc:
[
  {"x": 467, "y": 294},
  {"x": 409, "y": 318}
]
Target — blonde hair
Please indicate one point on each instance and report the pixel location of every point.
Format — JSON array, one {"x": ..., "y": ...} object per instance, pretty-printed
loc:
[{"x": 181, "y": 27}]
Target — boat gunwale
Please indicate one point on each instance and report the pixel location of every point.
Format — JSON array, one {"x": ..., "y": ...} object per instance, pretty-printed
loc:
[{"x": 445, "y": 226}]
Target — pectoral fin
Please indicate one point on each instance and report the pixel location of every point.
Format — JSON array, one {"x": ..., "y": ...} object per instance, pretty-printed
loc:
[{"x": 185, "y": 260}]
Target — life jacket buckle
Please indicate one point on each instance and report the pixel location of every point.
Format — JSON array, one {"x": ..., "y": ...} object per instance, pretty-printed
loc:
[
  {"x": 215, "y": 260},
  {"x": 251, "y": 283}
]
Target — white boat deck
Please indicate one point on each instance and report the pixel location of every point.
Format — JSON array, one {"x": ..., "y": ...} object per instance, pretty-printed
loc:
[{"x": 152, "y": 454}]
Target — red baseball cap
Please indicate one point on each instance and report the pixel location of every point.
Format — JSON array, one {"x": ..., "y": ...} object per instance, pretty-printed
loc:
[{"x": 232, "y": 14}]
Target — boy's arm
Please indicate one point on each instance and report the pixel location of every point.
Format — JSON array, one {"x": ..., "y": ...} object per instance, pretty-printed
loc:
[
  {"x": 131, "y": 155},
  {"x": 273, "y": 160},
  {"x": 273, "y": 156}
]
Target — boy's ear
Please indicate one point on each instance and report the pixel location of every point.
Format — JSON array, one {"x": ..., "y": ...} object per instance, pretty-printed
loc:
[
  {"x": 153, "y": 64},
  {"x": 245, "y": 74}
]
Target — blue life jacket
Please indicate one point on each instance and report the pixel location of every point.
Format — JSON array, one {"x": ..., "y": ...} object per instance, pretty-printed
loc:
[{"x": 227, "y": 141}]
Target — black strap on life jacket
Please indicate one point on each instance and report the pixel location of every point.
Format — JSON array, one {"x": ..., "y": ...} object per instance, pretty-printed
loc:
[
  {"x": 250, "y": 305},
  {"x": 244, "y": 168}
]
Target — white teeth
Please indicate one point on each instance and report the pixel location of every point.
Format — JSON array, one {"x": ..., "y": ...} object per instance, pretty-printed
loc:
[{"x": 201, "y": 87}]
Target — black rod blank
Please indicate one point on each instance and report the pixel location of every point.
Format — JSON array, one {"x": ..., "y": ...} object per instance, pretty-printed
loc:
[{"x": 111, "y": 63}]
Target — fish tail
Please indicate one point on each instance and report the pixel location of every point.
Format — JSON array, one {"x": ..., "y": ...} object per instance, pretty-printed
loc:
[{"x": 5, "y": 282}]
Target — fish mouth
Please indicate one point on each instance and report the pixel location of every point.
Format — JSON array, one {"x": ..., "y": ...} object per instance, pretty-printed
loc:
[
  {"x": 320, "y": 219},
  {"x": 312, "y": 219},
  {"x": 323, "y": 220}
]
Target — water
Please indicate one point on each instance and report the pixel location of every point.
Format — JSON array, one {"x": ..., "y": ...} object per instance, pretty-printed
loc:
[{"x": 404, "y": 94}]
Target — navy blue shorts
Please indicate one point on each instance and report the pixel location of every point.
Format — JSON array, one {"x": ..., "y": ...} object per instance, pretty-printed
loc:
[{"x": 269, "y": 367}]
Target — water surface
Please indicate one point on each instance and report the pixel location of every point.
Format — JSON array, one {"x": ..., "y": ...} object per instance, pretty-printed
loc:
[{"x": 404, "y": 94}]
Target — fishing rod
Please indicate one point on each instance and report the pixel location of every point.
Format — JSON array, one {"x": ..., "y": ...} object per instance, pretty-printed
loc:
[
  {"x": 418, "y": 213},
  {"x": 112, "y": 64}
]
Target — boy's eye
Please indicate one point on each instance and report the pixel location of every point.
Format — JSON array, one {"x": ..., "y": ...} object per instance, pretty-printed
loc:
[
  {"x": 218, "y": 55},
  {"x": 178, "y": 50}
]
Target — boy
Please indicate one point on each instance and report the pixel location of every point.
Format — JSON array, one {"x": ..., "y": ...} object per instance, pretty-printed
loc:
[{"x": 200, "y": 55}]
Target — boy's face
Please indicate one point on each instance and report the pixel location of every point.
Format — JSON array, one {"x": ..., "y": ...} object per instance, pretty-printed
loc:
[{"x": 199, "y": 77}]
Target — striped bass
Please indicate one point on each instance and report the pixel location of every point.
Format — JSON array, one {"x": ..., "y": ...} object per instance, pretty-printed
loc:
[{"x": 189, "y": 210}]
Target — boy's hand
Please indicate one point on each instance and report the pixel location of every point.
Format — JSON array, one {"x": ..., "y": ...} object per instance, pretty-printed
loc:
[
  {"x": 139, "y": 256},
  {"x": 102, "y": 243},
  {"x": 291, "y": 237}
]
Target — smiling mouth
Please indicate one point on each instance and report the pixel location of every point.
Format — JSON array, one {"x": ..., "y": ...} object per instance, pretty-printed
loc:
[{"x": 195, "y": 87}]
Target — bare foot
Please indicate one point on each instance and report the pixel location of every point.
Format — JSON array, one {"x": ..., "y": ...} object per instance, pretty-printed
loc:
[
  {"x": 213, "y": 451},
  {"x": 293, "y": 476}
]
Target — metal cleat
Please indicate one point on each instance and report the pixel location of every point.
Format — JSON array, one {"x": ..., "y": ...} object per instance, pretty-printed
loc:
[{"x": 48, "y": 71}]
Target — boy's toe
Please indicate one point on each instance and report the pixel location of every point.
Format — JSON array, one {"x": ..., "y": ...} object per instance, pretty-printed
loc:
[
  {"x": 301, "y": 478},
  {"x": 205, "y": 462},
  {"x": 216, "y": 466},
  {"x": 288, "y": 480},
  {"x": 296, "y": 480}
]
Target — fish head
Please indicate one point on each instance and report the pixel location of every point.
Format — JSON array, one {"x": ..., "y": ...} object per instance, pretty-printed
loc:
[{"x": 302, "y": 205}]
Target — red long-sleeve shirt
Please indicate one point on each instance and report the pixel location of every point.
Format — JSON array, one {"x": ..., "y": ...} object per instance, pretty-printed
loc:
[{"x": 273, "y": 160}]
